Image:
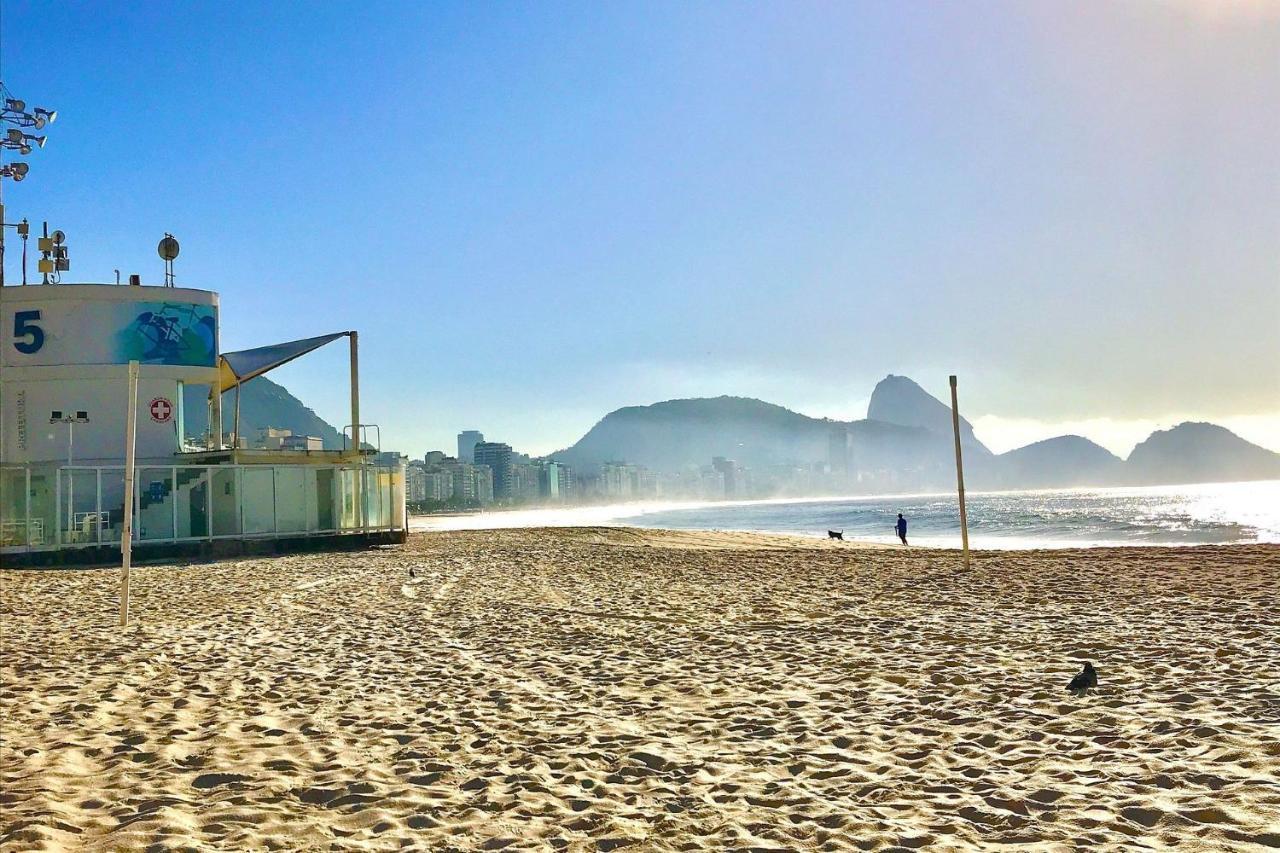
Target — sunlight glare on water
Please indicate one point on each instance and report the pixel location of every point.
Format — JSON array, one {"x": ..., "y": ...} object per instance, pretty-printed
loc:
[{"x": 1216, "y": 513}]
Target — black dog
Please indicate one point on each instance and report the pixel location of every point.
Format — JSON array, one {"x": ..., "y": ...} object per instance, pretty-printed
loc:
[{"x": 831, "y": 534}]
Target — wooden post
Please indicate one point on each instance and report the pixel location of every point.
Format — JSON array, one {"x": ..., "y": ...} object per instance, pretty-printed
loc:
[
  {"x": 215, "y": 414},
  {"x": 355, "y": 390},
  {"x": 361, "y": 506},
  {"x": 964, "y": 518},
  {"x": 126, "y": 533}
]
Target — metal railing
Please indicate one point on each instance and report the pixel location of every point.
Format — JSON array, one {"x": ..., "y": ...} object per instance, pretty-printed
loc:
[{"x": 82, "y": 506}]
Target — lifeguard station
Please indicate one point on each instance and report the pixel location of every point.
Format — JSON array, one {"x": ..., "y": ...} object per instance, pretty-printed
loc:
[{"x": 63, "y": 381}]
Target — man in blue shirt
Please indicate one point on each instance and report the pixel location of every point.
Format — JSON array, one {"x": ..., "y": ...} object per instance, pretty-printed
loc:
[{"x": 902, "y": 529}]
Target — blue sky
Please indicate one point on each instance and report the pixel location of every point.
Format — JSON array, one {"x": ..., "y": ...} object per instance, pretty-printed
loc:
[{"x": 536, "y": 213}]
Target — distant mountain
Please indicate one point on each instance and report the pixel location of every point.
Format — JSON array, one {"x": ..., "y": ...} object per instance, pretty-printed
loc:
[
  {"x": 1199, "y": 453},
  {"x": 1062, "y": 462},
  {"x": 899, "y": 400},
  {"x": 263, "y": 403},
  {"x": 676, "y": 434},
  {"x": 905, "y": 444}
]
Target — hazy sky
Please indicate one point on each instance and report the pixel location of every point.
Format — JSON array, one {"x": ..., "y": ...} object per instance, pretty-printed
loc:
[{"x": 535, "y": 213}]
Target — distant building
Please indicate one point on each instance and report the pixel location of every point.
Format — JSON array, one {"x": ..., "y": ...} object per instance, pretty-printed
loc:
[
  {"x": 734, "y": 482},
  {"x": 302, "y": 442},
  {"x": 526, "y": 482},
  {"x": 711, "y": 485},
  {"x": 472, "y": 484},
  {"x": 415, "y": 483},
  {"x": 434, "y": 458},
  {"x": 622, "y": 481},
  {"x": 555, "y": 482},
  {"x": 438, "y": 485},
  {"x": 467, "y": 441},
  {"x": 390, "y": 458},
  {"x": 497, "y": 457},
  {"x": 482, "y": 484},
  {"x": 617, "y": 480},
  {"x": 272, "y": 438}
]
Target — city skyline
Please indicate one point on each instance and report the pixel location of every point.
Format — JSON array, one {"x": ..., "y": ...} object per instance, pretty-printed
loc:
[{"x": 1073, "y": 209}]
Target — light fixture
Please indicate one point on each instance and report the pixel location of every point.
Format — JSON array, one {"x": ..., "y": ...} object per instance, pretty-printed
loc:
[{"x": 13, "y": 119}]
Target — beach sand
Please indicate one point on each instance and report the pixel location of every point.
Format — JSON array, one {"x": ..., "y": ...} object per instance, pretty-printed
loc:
[{"x": 593, "y": 689}]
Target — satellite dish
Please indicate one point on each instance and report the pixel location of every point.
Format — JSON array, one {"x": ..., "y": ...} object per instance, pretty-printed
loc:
[
  {"x": 168, "y": 248},
  {"x": 58, "y": 237}
]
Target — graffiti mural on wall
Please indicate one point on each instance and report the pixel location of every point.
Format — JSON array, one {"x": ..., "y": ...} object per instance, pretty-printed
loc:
[{"x": 170, "y": 333}]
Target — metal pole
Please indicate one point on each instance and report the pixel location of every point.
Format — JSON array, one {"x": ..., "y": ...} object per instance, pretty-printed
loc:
[
  {"x": 71, "y": 480},
  {"x": 126, "y": 533},
  {"x": 235, "y": 435},
  {"x": 964, "y": 518}
]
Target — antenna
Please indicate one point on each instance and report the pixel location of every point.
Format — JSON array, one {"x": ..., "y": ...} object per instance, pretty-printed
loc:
[
  {"x": 168, "y": 250},
  {"x": 53, "y": 254}
]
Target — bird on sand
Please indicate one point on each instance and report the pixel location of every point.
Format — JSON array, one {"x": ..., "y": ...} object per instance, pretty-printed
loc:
[{"x": 1085, "y": 678}]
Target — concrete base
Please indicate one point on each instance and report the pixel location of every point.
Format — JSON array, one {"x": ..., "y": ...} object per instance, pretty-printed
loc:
[{"x": 205, "y": 549}]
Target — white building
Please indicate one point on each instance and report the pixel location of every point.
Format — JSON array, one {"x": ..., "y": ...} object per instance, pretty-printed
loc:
[{"x": 63, "y": 408}]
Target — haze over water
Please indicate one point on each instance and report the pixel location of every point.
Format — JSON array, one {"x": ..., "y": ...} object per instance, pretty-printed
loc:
[{"x": 1206, "y": 514}]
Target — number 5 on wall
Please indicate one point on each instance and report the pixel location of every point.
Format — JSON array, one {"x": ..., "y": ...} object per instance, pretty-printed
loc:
[{"x": 24, "y": 327}]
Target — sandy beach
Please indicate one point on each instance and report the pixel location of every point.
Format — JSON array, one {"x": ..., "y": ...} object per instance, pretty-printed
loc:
[{"x": 595, "y": 688}]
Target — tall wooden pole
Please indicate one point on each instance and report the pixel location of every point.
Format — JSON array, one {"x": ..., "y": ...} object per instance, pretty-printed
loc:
[
  {"x": 362, "y": 508},
  {"x": 964, "y": 518},
  {"x": 355, "y": 390},
  {"x": 126, "y": 532}
]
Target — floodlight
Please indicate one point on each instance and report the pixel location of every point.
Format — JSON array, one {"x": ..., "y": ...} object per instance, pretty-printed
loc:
[
  {"x": 58, "y": 237},
  {"x": 16, "y": 105},
  {"x": 38, "y": 140},
  {"x": 24, "y": 149},
  {"x": 38, "y": 122},
  {"x": 15, "y": 135},
  {"x": 18, "y": 176},
  {"x": 20, "y": 169},
  {"x": 48, "y": 116}
]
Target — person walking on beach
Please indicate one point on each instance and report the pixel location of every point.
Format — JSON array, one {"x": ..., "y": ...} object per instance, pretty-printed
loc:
[{"x": 902, "y": 529}]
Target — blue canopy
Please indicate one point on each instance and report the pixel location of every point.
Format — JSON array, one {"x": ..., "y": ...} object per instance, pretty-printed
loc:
[{"x": 235, "y": 368}]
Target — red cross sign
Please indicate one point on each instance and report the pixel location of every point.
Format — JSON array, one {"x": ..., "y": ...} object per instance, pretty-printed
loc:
[{"x": 161, "y": 410}]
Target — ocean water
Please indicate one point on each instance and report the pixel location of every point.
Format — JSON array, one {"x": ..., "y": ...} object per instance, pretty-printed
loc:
[{"x": 1212, "y": 514}]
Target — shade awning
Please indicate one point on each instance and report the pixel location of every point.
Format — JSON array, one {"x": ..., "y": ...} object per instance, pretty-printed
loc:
[{"x": 235, "y": 368}]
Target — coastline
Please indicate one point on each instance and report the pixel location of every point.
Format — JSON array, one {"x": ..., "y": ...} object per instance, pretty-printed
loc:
[
  {"x": 1186, "y": 515},
  {"x": 599, "y": 688}
]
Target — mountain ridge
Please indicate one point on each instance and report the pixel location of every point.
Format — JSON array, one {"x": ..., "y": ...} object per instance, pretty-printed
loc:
[
  {"x": 909, "y": 445},
  {"x": 263, "y": 403}
]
